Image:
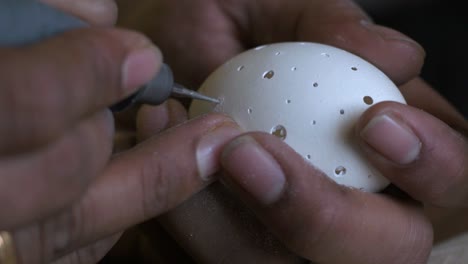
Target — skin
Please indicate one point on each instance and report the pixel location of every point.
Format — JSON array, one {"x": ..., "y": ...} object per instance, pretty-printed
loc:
[
  {"x": 305, "y": 215},
  {"x": 75, "y": 212},
  {"x": 65, "y": 197}
]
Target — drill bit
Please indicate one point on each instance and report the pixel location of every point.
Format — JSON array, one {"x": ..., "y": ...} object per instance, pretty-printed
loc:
[{"x": 180, "y": 91}]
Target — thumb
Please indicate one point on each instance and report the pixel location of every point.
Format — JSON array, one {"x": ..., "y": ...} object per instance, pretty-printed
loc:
[
  {"x": 54, "y": 84},
  {"x": 417, "y": 152}
]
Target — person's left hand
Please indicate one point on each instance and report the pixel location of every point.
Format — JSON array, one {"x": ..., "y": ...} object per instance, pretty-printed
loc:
[
  {"x": 196, "y": 37},
  {"x": 198, "y": 41}
]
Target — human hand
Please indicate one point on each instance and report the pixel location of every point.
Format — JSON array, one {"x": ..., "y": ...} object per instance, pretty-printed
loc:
[
  {"x": 97, "y": 13},
  {"x": 328, "y": 223},
  {"x": 198, "y": 36},
  {"x": 315, "y": 217},
  {"x": 195, "y": 36},
  {"x": 62, "y": 196}
]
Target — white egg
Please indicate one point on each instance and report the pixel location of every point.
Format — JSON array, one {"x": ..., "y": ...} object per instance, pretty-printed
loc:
[{"x": 308, "y": 94}]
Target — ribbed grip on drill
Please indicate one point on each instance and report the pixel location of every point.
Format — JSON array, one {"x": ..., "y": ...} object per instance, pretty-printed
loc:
[
  {"x": 25, "y": 22},
  {"x": 157, "y": 90}
]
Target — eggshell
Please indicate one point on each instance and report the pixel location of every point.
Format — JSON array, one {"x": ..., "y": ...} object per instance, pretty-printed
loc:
[{"x": 308, "y": 94}]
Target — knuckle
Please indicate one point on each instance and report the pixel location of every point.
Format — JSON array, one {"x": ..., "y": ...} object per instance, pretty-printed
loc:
[
  {"x": 155, "y": 185},
  {"x": 30, "y": 244},
  {"x": 324, "y": 223},
  {"x": 449, "y": 190},
  {"x": 68, "y": 152},
  {"x": 316, "y": 230},
  {"x": 418, "y": 240},
  {"x": 34, "y": 113},
  {"x": 64, "y": 231},
  {"x": 438, "y": 193},
  {"x": 104, "y": 13},
  {"x": 102, "y": 72},
  {"x": 44, "y": 241},
  {"x": 81, "y": 155}
]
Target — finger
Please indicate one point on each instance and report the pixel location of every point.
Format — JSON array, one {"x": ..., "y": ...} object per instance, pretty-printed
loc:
[
  {"x": 68, "y": 78},
  {"x": 417, "y": 152},
  {"x": 100, "y": 13},
  {"x": 154, "y": 119},
  {"x": 32, "y": 239},
  {"x": 420, "y": 94},
  {"x": 317, "y": 218},
  {"x": 140, "y": 184},
  {"x": 339, "y": 23},
  {"x": 196, "y": 225},
  {"x": 49, "y": 179},
  {"x": 93, "y": 253},
  {"x": 146, "y": 121}
]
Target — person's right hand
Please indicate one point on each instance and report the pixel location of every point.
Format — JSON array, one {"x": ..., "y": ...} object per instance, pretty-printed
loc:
[{"x": 62, "y": 193}]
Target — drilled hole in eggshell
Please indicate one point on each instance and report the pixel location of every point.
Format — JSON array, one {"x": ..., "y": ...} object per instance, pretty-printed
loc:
[
  {"x": 288, "y": 101},
  {"x": 340, "y": 171},
  {"x": 342, "y": 112},
  {"x": 368, "y": 100},
  {"x": 308, "y": 157},
  {"x": 316, "y": 84},
  {"x": 279, "y": 131},
  {"x": 268, "y": 75},
  {"x": 240, "y": 68},
  {"x": 354, "y": 68},
  {"x": 313, "y": 122},
  {"x": 294, "y": 69},
  {"x": 278, "y": 53},
  {"x": 249, "y": 111},
  {"x": 325, "y": 55}
]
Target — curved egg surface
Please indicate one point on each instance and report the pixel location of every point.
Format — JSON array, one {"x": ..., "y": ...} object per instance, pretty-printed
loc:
[{"x": 308, "y": 94}]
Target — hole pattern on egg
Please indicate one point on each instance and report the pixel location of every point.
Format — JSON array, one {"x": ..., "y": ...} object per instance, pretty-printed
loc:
[
  {"x": 340, "y": 171},
  {"x": 317, "y": 123},
  {"x": 268, "y": 75},
  {"x": 368, "y": 100},
  {"x": 279, "y": 131}
]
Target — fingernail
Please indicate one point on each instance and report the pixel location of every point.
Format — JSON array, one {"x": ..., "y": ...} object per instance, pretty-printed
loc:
[
  {"x": 389, "y": 136},
  {"x": 254, "y": 169},
  {"x": 209, "y": 149},
  {"x": 140, "y": 67}
]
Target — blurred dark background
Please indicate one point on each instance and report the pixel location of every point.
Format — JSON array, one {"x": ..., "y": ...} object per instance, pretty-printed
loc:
[{"x": 441, "y": 27}]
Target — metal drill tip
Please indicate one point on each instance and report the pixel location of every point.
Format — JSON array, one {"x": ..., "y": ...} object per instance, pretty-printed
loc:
[{"x": 179, "y": 90}]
